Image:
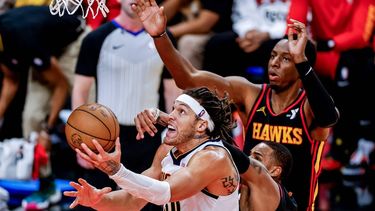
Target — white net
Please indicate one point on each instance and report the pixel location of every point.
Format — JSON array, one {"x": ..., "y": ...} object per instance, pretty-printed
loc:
[{"x": 58, "y": 7}]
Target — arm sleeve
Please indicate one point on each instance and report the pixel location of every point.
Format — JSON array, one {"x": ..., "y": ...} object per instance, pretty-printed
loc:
[
  {"x": 241, "y": 160},
  {"x": 140, "y": 186},
  {"x": 321, "y": 103}
]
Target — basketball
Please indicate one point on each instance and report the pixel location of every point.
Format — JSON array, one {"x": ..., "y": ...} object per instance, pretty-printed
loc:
[{"x": 92, "y": 121}]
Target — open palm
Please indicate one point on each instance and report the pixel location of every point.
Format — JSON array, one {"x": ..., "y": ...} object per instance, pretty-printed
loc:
[
  {"x": 297, "y": 46},
  {"x": 152, "y": 16},
  {"x": 86, "y": 195}
]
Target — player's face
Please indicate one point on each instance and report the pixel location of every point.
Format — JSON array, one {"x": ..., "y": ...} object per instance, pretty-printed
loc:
[
  {"x": 263, "y": 153},
  {"x": 282, "y": 72},
  {"x": 181, "y": 125}
]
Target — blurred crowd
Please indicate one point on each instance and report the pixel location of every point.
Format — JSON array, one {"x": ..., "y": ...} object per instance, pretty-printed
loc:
[{"x": 51, "y": 65}]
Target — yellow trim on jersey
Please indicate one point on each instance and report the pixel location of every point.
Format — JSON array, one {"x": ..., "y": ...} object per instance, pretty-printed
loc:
[
  {"x": 319, "y": 156},
  {"x": 316, "y": 190}
]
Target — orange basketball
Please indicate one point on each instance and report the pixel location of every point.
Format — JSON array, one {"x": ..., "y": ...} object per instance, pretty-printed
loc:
[{"x": 92, "y": 121}]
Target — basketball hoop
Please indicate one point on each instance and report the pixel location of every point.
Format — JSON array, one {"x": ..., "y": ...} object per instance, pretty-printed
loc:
[{"x": 71, "y": 6}]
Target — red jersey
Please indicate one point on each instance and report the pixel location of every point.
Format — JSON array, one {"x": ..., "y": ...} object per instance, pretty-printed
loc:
[{"x": 350, "y": 23}]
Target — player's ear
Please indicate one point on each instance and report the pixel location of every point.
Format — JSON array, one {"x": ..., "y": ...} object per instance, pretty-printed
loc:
[
  {"x": 275, "y": 171},
  {"x": 202, "y": 125}
]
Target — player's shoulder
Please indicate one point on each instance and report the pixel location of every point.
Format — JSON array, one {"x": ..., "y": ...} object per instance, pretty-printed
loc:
[
  {"x": 242, "y": 84},
  {"x": 245, "y": 92},
  {"x": 212, "y": 154}
]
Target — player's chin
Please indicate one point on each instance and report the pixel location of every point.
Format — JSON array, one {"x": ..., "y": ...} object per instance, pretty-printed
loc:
[{"x": 274, "y": 85}]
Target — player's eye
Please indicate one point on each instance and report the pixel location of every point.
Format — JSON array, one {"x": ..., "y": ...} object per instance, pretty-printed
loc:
[{"x": 286, "y": 59}]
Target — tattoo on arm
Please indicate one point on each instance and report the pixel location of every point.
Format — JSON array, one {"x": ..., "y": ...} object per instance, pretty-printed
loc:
[
  {"x": 110, "y": 167},
  {"x": 229, "y": 183}
]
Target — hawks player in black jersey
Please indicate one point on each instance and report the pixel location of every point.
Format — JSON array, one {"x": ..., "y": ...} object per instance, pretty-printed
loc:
[{"x": 294, "y": 93}]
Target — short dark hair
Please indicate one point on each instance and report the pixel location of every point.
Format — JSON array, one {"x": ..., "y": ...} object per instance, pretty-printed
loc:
[
  {"x": 282, "y": 157},
  {"x": 219, "y": 109}
]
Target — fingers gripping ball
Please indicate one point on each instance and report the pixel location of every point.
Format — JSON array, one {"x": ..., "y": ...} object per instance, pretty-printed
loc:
[{"x": 92, "y": 121}]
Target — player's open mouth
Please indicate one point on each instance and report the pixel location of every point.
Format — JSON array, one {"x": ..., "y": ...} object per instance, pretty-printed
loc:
[
  {"x": 171, "y": 131},
  {"x": 272, "y": 75}
]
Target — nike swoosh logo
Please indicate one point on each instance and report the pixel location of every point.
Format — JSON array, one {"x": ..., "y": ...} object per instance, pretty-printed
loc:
[{"x": 115, "y": 47}]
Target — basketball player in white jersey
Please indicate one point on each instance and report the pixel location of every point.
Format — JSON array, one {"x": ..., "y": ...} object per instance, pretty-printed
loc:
[{"x": 192, "y": 170}]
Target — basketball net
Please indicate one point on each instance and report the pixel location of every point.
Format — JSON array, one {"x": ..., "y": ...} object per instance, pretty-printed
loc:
[{"x": 71, "y": 6}]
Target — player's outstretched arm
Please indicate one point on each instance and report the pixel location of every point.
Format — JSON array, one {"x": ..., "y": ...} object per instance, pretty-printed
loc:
[
  {"x": 86, "y": 194},
  {"x": 137, "y": 189},
  {"x": 183, "y": 72},
  {"x": 320, "y": 103},
  {"x": 102, "y": 199}
]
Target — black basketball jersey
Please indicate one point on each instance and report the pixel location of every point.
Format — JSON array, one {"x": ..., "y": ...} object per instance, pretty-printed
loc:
[
  {"x": 287, "y": 203},
  {"x": 290, "y": 129}
]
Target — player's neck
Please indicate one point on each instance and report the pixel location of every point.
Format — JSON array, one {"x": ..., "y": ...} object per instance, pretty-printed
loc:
[{"x": 193, "y": 143}]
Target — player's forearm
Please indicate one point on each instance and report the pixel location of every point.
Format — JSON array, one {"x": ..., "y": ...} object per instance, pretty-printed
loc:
[
  {"x": 119, "y": 200},
  {"x": 141, "y": 186},
  {"x": 321, "y": 103}
]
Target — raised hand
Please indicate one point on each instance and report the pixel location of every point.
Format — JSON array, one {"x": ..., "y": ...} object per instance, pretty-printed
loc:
[
  {"x": 86, "y": 194},
  {"x": 109, "y": 163},
  {"x": 145, "y": 122},
  {"x": 297, "y": 47},
  {"x": 152, "y": 16}
]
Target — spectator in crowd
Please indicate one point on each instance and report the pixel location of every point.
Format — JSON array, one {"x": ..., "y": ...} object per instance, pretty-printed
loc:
[
  {"x": 47, "y": 37},
  {"x": 192, "y": 35},
  {"x": 5, "y": 5}
]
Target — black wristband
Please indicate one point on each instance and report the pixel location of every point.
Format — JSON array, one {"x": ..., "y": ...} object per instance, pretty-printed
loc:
[
  {"x": 160, "y": 35},
  {"x": 304, "y": 68}
]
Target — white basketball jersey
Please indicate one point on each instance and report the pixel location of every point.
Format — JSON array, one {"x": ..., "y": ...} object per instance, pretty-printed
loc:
[{"x": 202, "y": 201}]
